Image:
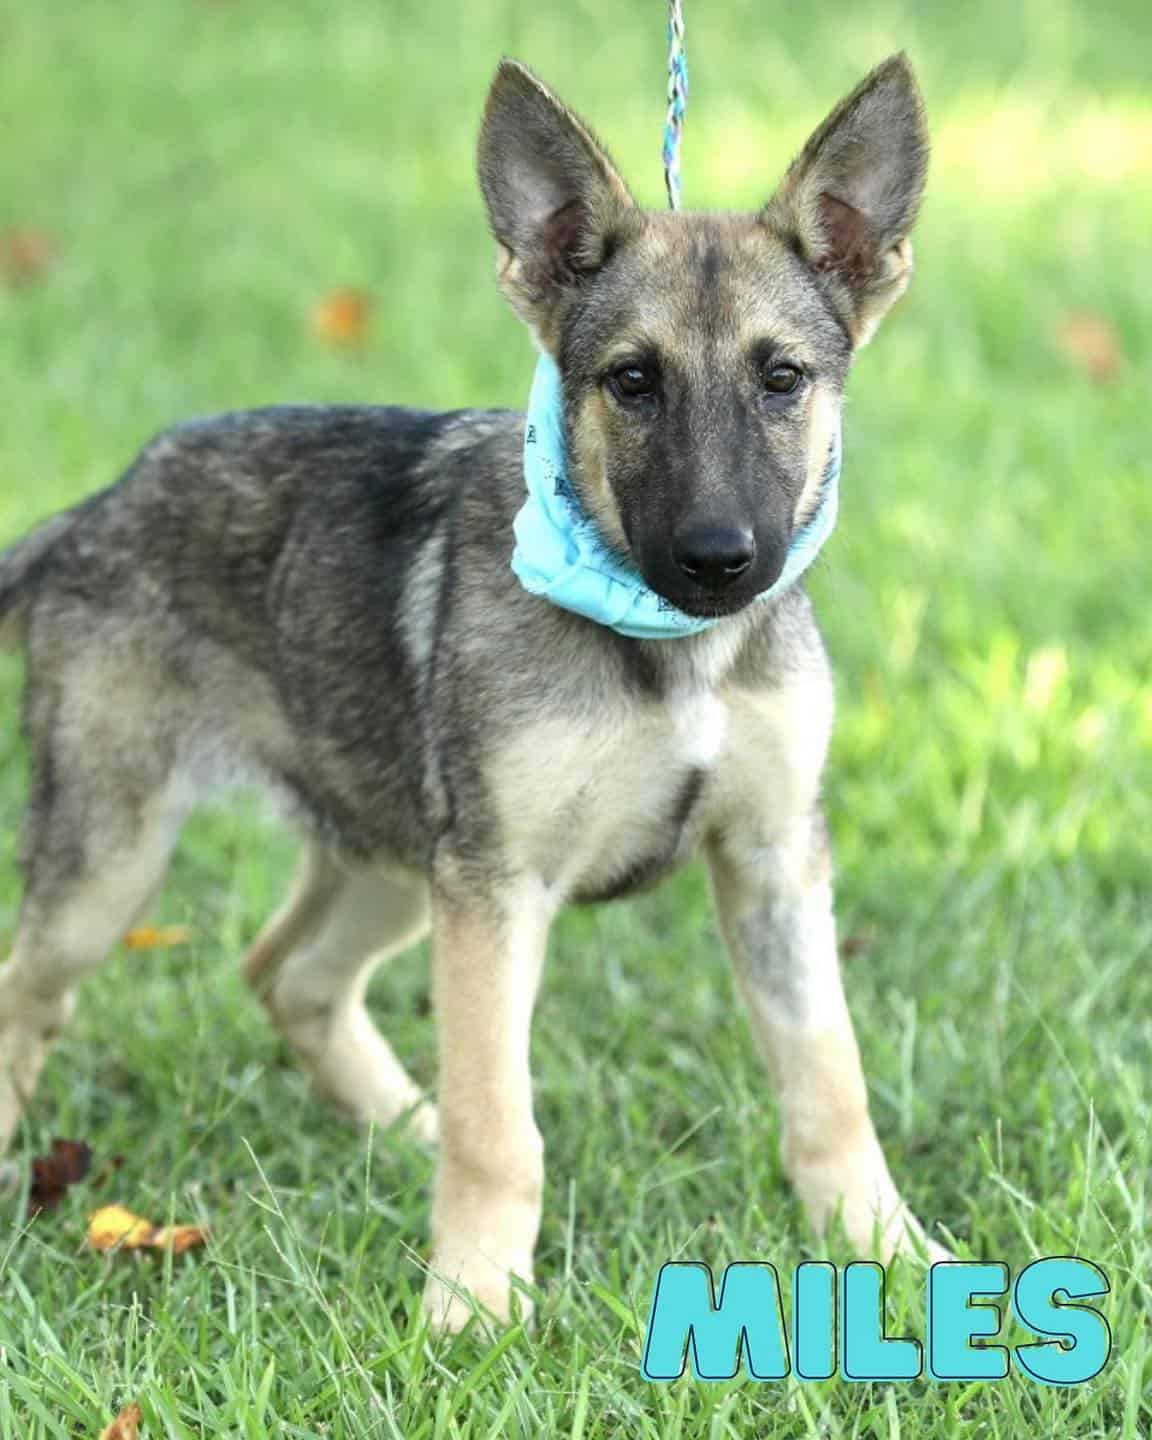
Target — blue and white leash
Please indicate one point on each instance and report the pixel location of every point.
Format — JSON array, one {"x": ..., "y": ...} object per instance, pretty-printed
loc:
[{"x": 677, "y": 101}]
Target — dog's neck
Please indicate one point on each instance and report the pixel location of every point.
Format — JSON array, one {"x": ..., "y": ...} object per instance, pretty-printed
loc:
[{"x": 561, "y": 555}]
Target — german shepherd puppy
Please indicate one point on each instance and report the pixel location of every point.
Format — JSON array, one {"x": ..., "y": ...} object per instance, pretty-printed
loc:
[{"x": 320, "y": 600}]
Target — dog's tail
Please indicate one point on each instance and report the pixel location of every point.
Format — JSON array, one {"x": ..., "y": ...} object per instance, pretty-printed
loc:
[{"x": 19, "y": 566}]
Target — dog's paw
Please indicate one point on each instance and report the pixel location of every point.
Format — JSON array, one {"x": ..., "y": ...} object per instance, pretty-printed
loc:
[
  {"x": 902, "y": 1235},
  {"x": 354, "y": 1067},
  {"x": 449, "y": 1307},
  {"x": 455, "y": 1294},
  {"x": 419, "y": 1123},
  {"x": 857, "y": 1195},
  {"x": 423, "y": 1125},
  {"x": 938, "y": 1254}
]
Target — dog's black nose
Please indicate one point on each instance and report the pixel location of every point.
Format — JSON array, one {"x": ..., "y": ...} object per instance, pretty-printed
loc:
[{"x": 714, "y": 556}]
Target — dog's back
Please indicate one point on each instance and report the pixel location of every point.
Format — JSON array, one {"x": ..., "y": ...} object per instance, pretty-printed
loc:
[
  {"x": 256, "y": 592},
  {"x": 207, "y": 509}
]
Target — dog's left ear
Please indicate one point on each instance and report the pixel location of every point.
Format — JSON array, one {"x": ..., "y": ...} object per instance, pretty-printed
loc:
[
  {"x": 556, "y": 203},
  {"x": 850, "y": 198}
]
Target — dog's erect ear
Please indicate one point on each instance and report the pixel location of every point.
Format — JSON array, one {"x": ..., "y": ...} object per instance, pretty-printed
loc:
[
  {"x": 555, "y": 202},
  {"x": 850, "y": 198}
]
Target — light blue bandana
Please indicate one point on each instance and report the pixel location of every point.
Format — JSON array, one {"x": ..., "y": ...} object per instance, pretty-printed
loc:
[{"x": 561, "y": 556}]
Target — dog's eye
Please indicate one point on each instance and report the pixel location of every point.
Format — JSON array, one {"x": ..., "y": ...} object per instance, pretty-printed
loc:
[
  {"x": 633, "y": 382},
  {"x": 780, "y": 379}
]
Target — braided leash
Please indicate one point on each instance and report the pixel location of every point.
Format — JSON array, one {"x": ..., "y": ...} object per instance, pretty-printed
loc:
[{"x": 677, "y": 101}]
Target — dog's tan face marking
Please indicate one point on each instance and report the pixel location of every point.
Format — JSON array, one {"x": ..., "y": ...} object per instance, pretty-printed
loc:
[
  {"x": 589, "y": 430},
  {"x": 823, "y": 419}
]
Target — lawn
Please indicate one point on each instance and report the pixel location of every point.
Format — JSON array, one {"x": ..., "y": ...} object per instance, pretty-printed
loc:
[{"x": 202, "y": 174}]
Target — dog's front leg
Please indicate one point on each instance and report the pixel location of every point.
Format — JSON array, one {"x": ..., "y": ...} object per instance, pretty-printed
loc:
[
  {"x": 775, "y": 906},
  {"x": 488, "y": 948}
]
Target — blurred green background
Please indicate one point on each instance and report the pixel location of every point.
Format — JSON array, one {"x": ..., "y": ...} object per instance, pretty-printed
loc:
[{"x": 211, "y": 204}]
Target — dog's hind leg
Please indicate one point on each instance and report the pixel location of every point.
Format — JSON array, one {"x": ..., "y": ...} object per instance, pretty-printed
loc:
[
  {"x": 97, "y": 846},
  {"x": 311, "y": 966}
]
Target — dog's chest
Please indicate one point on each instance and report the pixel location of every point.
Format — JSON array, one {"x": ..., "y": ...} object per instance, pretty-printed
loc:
[{"x": 605, "y": 805}]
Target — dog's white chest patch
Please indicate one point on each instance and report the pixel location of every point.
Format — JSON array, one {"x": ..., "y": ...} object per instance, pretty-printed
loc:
[
  {"x": 702, "y": 730},
  {"x": 589, "y": 803}
]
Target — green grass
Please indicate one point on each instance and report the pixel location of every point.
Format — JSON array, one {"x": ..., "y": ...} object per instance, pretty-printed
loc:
[{"x": 207, "y": 170}]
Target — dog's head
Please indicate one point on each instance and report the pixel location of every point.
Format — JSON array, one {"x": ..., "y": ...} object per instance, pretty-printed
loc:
[{"x": 703, "y": 356}]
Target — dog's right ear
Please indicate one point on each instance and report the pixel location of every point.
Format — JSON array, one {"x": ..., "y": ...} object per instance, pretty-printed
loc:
[{"x": 556, "y": 204}]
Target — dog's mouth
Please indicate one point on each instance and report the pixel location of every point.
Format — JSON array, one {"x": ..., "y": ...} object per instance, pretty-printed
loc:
[
  {"x": 707, "y": 595},
  {"x": 707, "y": 607},
  {"x": 704, "y": 603}
]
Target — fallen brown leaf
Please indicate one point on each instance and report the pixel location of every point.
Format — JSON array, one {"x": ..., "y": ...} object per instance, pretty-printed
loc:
[
  {"x": 156, "y": 937},
  {"x": 114, "y": 1227},
  {"x": 1090, "y": 342},
  {"x": 24, "y": 255},
  {"x": 341, "y": 318},
  {"x": 52, "y": 1174},
  {"x": 179, "y": 1238},
  {"x": 858, "y": 943},
  {"x": 126, "y": 1425}
]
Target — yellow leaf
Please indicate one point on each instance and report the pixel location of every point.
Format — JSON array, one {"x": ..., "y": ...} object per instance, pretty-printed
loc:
[
  {"x": 156, "y": 937},
  {"x": 113, "y": 1227},
  {"x": 126, "y": 1425},
  {"x": 116, "y": 1228}
]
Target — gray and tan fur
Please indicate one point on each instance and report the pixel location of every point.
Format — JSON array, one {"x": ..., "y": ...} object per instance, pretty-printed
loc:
[{"x": 320, "y": 600}]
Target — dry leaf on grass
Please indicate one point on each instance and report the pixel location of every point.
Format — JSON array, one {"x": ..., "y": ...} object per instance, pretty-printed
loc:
[
  {"x": 1090, "y": 342},
  {"x": 179, "y": 1238},
  {"x": 858, "y": 943},
  {"x": 341, "y": 318},
  {"x": 52, "y": 1174},
  {"x": 156, "y": 937},
  {"x": 126, "y": 1425},
  {"x": 24, "y": 255},
  {"x": 113, "y": 1227}
]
